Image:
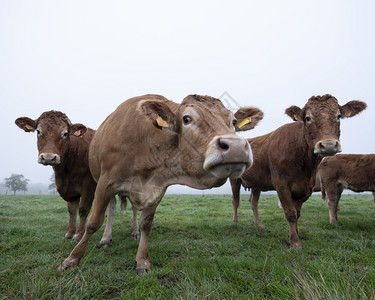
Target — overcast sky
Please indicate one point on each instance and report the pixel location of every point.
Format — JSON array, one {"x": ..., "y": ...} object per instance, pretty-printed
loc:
[{"x": 86, "y": 57}]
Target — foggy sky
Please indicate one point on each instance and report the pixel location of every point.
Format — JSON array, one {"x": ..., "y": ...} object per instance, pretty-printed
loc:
[{"x": 86, "y": 57}]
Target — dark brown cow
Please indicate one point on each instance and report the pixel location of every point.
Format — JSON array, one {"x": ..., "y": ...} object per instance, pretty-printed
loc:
[
  {"x": 65, "y": 147},
  {"x": 355, "y": 172},
  {"x": 286, "y": 159},
  {"x": 149, "y": 143}
]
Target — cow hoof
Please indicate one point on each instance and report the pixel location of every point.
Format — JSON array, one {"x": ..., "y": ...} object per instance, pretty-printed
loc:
[
  {"x": 76, "y": 238},
  {"x": 104, "y": 244},
  {"x": 68, "y": 237},
  {"x": 67, "y": 265},
  {"x": 142, "y": 271},
  {"x": 260, "y": 227}
]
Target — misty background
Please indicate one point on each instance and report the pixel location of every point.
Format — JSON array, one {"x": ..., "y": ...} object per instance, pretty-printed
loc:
[{"x": 86, "y": 57}]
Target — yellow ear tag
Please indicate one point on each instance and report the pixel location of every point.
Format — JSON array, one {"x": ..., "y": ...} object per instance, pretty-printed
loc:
[
  {"x": 161, "y": 122},
  {"x": 244, "y": 122},
  {"x": 28, "y": 127},
  {"x": 77, "y": 133}
]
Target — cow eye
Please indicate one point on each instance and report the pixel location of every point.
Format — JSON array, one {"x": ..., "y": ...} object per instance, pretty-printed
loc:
[
  {"x": 38, "y": 131},
  {"x": 187, "y": 119},
  {"x": 65, "y": 134},
  {"x": 234, "y": 122},
  {"x": 339, "y": 117},
  {"x": 308, "y": 119}
]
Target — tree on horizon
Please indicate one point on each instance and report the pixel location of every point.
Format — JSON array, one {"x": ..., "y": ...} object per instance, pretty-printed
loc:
[{"x": 16, "y": 182}]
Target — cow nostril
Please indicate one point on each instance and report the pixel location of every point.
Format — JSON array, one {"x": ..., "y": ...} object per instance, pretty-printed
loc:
[
  {"x": 54, "y": 158},
  {"x": 223, "y": 145},
  {"x": 42, "y": 157}
]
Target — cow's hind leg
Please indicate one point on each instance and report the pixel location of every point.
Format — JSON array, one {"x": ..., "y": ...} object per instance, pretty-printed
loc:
[
  {"x": 333, "y": 191},
  {"x": 73, "y": 210},
  {"x": 135, "y": 227},
  {"x": 254, "y": 199},
  {"x": 107, "y": 234},
  {"x": 236, "y": 187},
  {"x": 103, "y": 195}
]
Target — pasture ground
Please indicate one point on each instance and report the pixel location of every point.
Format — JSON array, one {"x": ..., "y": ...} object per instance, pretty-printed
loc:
[{"x": 196, "y": 252}]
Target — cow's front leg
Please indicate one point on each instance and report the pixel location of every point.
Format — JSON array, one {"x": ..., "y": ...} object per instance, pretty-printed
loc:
[
  {"x": 107, "y": 234},
  {"x": 85, "y": 204},
  {"x": 143, "y": 262},
  {"x": 73, "y": 210},
  {"x": 291, "y": 214}
]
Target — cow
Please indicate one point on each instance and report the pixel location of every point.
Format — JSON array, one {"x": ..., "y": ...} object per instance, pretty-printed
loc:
[
  {"x": 65, "y": 147},
  {"x": 286, "y": 159},
  {"x": 355, "y": 172},
  {"x": 149, "y": 143}
]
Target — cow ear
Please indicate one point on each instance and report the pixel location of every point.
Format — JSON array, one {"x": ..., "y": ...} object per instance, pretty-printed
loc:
[
  {"x": 247, "y": 118},
  {"x": 27, "y": 124},
  {"x": 159, "y": 113},
  {"x": 295, "y": 113},
  {"x": 78, "y": 129},
  {"x": 352, "y": 108}
]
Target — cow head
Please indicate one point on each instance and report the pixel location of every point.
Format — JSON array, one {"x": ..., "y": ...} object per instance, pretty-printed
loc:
[
  {"x": 321, "y": 116},
  {"x": 54, "y": 130},
  {"x": 206, "y": 137}
]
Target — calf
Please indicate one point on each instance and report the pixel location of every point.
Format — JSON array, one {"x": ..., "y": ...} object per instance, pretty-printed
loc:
[
  {"x": 355, "y": 172},
  {"x": 286, "y": 159},
  {"x": 149, "y": 143}
]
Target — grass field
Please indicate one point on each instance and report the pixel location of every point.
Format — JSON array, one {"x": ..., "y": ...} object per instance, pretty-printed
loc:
[{"x": 196, "y": 252}]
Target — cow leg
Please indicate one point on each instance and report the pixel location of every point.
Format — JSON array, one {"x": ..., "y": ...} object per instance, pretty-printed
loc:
[
  {"x": 103, "y": 195},
  {"x": 291, "y": 214},
  {"x": 135, "y": 228},
  {"x": 254, "y": 199},
  {"x": 73, "y": 210},
  {"x": 333, "y": 191},
  {"x": 236, "y": 187},
  {"x": 143, "y": 262},
  {"x": 107, "y": 234},
  {"x": 373, "y": 195},
  {"x": 84, "y": 209}
]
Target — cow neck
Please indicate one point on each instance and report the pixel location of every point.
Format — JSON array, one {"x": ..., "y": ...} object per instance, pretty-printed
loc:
[
  {"x": 312, "y": 159},
  {"x": 67, "y": 162}
]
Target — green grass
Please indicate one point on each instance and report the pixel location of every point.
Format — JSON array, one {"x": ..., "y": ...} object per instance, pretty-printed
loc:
[{"x": 195, "y": 250}]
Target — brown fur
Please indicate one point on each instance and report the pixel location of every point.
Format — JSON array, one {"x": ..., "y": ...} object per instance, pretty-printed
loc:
[
  {"x": 286, "y": 159},
  {"x": 73, "y": 179},
  {"x": 133, "y": 156},
  {"x": 355, "y": 172}
]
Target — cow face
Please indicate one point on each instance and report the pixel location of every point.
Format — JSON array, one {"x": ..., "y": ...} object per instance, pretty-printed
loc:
[
  {"x": 321, "y": 116},
  {"x": 207, "y": 142},
  {"x": 54, "y": 130}
]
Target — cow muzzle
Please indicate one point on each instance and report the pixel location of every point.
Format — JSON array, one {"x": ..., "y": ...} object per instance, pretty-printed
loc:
[
  {"x": 327, "y": 147},
  {"x": 228, "y": 156},
  {"x": 49, "y": 159}
]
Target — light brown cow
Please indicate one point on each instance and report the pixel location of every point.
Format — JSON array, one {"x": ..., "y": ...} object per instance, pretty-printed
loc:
[
  {"x": 355, "y": 172},
  {"x": 286, "y": 159},
  {"x": 65, "y": 147},
  {"x": 149, "y": 143}
]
